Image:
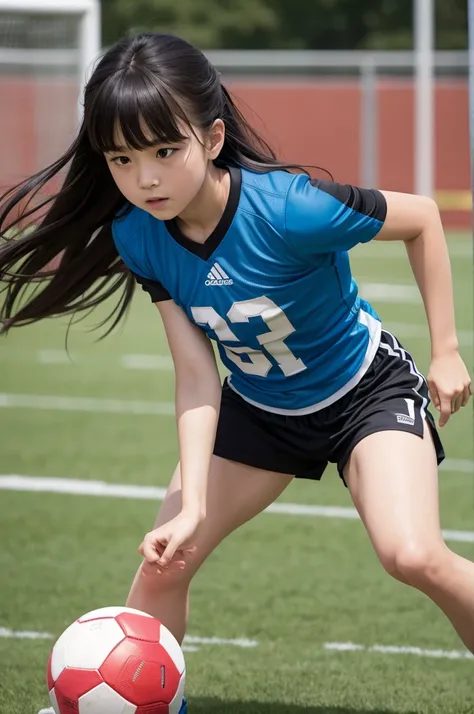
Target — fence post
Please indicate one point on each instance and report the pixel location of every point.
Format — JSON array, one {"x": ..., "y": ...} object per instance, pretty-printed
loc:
[
  {"x": 471, "y": 90},
  {"x": 424, "y": 97},
  {"x": 369, "y": 123}
]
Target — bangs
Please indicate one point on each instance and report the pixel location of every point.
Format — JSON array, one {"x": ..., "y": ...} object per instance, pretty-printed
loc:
[{"x": 135, "y": 110}]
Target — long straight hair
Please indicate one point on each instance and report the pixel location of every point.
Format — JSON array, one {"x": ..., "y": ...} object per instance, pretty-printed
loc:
[{"x": 66, "y": 262}]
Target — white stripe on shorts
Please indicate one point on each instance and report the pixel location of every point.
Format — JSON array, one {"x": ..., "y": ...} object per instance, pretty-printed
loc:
[{"x": 398, "y": 351}]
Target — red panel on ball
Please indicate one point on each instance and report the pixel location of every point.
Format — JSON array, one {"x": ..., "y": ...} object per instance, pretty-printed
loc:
[
  {"x": 142, "y": 672},
  {"x": 49, "y": 674},
  {"x": 153, "y": 709},
  {"x": 139, "y": 626},
  {"x": 72, "y": 684}
]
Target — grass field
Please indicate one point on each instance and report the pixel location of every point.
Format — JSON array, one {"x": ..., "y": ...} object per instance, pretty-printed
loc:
[{"x": 289, "y": 584}]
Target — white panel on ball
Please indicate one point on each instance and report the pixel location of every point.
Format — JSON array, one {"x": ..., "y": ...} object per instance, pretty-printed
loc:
[
  {"x": 86, "y": 645},
  {"x": 103, "y": 700},
  {"x": 110, "y": 612},
  {"x": 171, "y": 645},
  {"x": 175, "y": 706},
  {"x": 54, "y": 701},
  {"x": 58, "y": 660}
]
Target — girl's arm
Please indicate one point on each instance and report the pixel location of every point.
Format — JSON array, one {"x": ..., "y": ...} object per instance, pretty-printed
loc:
[
  {"x": 416, "y": 221},
  {"x": 198, "y": 395}
]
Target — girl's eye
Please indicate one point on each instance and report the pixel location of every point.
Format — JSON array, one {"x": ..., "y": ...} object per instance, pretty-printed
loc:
[
  {"x": 120, "y": 160},
  {"x": 165, "y": 153}
]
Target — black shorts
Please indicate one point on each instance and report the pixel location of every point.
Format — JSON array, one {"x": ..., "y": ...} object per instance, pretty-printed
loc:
[{"x": 392, "y": 395}]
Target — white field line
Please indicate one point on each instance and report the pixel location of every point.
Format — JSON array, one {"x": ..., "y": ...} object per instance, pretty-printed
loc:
[
  {"x": 151, "y": 362},
  {"x": 25, "y": 635},
  {"x": 459, "y": 248},
  {"x": 402, "y": 330},
  {"x": 37, "y": 484},
  {"x": 137, "y": 408},
  {"x": 389, "y": 292},
  {"x": 85, "y": 404},
  {"x": 409, "y": 330},
  {"x": 54, "y": 357},
  {"x": 191, "y": 642},
  {"x": 465, "y": 466},
  {"x": 242, "y": 642},
  {"x": 147, "y": 362},
  {"x": 164, "y": 363},
  {"x": 390, "y": 649},
  {"x": 132, "y": 361}
]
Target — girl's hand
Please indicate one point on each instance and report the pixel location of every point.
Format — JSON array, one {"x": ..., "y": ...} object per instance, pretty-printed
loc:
[
  {"x": 169, "y": 544},
  {"x": 449, "y": 383}
]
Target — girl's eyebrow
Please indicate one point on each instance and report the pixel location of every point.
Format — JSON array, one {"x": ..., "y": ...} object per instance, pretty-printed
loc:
[{"x": 121, "y": 149}]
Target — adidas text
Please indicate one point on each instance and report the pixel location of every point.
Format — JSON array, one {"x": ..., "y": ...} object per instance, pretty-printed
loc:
[
  {"x": 404, "y": 419},
  {"x": 229, "y": 281}
]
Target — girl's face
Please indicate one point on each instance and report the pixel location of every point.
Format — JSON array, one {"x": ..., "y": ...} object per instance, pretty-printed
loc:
[{"x": 164, "y": 179}]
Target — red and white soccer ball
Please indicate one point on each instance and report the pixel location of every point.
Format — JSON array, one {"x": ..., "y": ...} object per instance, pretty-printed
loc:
[{"x": 116, "y": 661}]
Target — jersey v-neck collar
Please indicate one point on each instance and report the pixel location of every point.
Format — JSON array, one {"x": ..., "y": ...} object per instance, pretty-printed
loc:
[{"x": 206, "y": 249}]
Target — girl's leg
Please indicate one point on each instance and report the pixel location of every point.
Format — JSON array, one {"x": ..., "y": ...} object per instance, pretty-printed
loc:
[
  {"x": 393, "y": 480},
  {"x": 236, "y": 493}
]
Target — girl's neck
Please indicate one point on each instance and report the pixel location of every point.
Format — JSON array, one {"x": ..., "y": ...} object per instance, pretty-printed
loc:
[{"x": 200, "y": 218}]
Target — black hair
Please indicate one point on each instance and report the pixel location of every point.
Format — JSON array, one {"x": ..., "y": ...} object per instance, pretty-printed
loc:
[{"x": 146, "y": 86}]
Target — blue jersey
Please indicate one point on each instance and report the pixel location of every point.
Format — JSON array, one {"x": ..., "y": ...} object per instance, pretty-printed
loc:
[{"x": 272, "y": 284}]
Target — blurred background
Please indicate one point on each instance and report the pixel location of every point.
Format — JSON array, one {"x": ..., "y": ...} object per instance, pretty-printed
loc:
[
  {"x": 375, "y": 91},
  {"x": 293, "y": 614}
]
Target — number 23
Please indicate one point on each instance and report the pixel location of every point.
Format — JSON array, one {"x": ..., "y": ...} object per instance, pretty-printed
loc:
[{"x": 273, "y": 341}]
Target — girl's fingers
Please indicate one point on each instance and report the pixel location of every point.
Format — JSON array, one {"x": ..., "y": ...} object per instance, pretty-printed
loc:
[{"x": 466, "y": 395}]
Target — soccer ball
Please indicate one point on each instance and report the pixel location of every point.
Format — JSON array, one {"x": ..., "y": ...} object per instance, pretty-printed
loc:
[{"x": 116, "y": 661}]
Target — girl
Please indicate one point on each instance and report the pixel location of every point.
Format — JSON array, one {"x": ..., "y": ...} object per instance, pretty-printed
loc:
[{"x": 169, "y": 186}]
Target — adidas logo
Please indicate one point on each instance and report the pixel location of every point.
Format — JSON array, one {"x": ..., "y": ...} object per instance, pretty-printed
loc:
[
  {"x": 218, "y": 276},
  {"x": 404, "y": 419},
  {"x": 407, "y": 418}
]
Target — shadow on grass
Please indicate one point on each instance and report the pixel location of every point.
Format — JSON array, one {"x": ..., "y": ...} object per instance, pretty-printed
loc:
[{"x": 199, "y": 705}]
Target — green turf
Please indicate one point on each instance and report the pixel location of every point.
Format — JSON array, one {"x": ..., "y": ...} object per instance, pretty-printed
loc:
[{"x": 290, "y": 583}]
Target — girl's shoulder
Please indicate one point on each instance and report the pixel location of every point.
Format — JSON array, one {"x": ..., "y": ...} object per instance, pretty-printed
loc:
[{"x": 273, "y": 181}]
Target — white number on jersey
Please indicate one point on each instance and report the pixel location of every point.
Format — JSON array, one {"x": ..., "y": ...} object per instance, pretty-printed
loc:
[{"x": 272, "y": 342}]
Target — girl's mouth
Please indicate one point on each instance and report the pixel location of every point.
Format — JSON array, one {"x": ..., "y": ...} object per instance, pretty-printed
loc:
[{"x": 156, "y": 202}]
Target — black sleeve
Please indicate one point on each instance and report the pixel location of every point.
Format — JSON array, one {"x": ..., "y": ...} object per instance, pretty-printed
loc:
[
  {"x": 324, "y": 216},
  {"x": 155, "y": 290}
]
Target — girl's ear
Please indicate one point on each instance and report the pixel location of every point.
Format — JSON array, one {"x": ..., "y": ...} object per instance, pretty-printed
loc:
[{"x": 216, "y": 138}]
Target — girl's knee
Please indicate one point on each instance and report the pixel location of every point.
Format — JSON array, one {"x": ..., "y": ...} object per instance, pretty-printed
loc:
[{"x": 417, "y": 563}]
